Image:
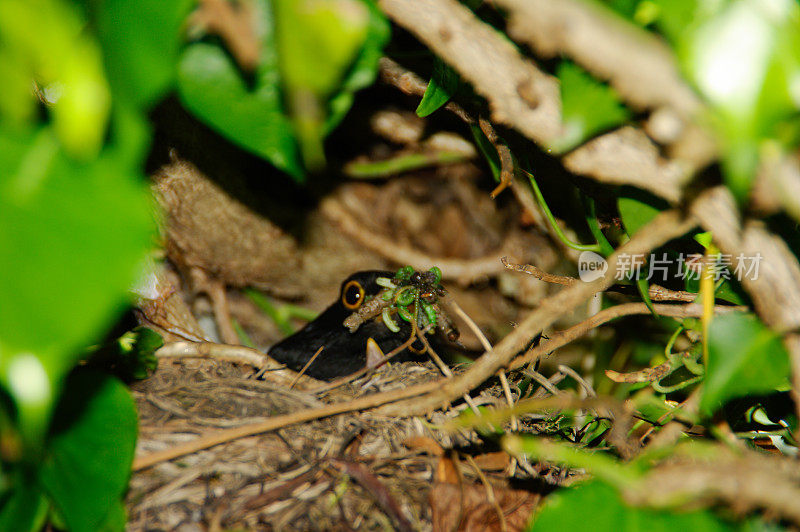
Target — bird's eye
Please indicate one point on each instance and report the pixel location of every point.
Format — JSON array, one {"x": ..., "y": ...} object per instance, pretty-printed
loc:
[{"x": 353, "y": 295}]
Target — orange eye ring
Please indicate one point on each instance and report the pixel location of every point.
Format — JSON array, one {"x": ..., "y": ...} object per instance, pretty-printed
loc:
[{"x": 352, "y": 295}]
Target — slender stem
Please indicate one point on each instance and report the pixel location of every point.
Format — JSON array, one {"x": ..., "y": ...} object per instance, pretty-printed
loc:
[
  {"x": 549, "y": 215},
  {"x": 594, "y": 226}
]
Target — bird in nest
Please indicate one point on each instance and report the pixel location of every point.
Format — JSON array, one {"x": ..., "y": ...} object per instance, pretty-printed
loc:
[{"x": 377, "y": 312}]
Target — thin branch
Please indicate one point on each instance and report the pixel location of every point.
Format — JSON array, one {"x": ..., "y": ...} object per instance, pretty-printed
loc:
[
  {"x": 562, "y": 338},
  {"x": 656, "y": 292},
  {"x": 210, "y": 350},
  {"x": 463, "y": 271},
  {"x": 664, "y": 227}
]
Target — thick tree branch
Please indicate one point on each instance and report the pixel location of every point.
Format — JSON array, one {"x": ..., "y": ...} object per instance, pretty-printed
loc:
[{"x": 518, "y": 93}]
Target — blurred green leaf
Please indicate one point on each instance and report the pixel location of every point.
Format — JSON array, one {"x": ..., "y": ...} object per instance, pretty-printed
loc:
[
  {"x": 47, "y": 40},
  {"x": 744, "y": 57},
  {"x": 129, "y": 357},
  {"x": 17, "y": 105},
  {"x": 325, "y": 53},
  {"x": 365, "y": 67},
  {"x": 23, "y": 507},
  {"x": 116, "y": 518},
  {"x": 91, "y": 450},
  {"x": 588, "y": 106},
  {"x": 213, "y": 89},
  {"x": 744, "y": 357},
  {"x": 599, "y": 504},
  {"x": 317, "y": 42},
  {"x": 141, "y": 41},
  {"x": 638, "y": 208},
  {"x": 443, "y": 85},
  {"x": 72, "y": 239},
  {"x": 675, "y": 17},
  {"x": 626, "y": 8},
  {"x": 139, "y": 353}
]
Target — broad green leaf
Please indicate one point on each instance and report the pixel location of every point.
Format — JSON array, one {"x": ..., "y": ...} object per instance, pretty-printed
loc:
[
  {"x": 141, "y": 43},
  {"x": 600, "y": 505},
  {"x": 73, "y": 237},
  {"x": 317, "y": 43},
  {"x": 588, "y": 107},
  {"x": 443, "y": 85},
  {"x": 365, "y": 67},
  {"x": 213, "y": 89},
  {"x": 91, "y": 450},
  {"x": 744, "y": 357},
  {"x": 23, "y": 506},
  {"x": 638, "y": 208}
]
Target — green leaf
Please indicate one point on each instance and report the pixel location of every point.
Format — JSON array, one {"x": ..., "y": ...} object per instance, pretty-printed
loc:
[
  {"x": 141, "y": 41},
  {"x": 487, "y": 150},
  {"x": 443, "y": 85},
  {"x": 91, "y": 450},
  {"x": 116, "y": 518},
  {"x": 17, "y": 105},
  {"x": 318, "y": 41},
  {"x": 365, "y": 68},
  {"x": 744, "y": 357},
  {"x": 600, "y": 504},
  {"x": 588, "y": 106},
  {"x": 129, "y": 357},
  {"x": 643, "y": 286},
  {"x": 46, "y": 39},
  {"x": 212, "y": 88},
  {"x": 676, "y": 17},
  {"x": 73, "y": 237},
  {"x": 638, "y": 208},
  {"x": 626, "y": 8},
  {"x": 744, "y": 57},
  {"x": 705, "y": 238},
  {"x": 23, "y": 506}
]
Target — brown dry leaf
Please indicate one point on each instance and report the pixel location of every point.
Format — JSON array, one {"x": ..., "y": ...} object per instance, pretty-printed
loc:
[
  {"x": 162, "y": 306},
  {"x": 497, "y": 461},
  {"x": 467, "y": 508},
  {"x": 446, "y": 471},
  {"x": 424, "y": 443}
]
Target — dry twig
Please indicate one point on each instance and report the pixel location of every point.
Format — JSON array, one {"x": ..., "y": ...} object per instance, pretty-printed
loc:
[{"x": 666, "y": 226}]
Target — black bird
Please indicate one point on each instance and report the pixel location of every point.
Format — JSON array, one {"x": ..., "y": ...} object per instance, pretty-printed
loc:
[{"x": 344, "y": 352}]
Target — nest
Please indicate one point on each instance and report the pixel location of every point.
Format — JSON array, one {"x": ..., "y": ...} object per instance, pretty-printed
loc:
[{"x": 351, "y": 471}]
